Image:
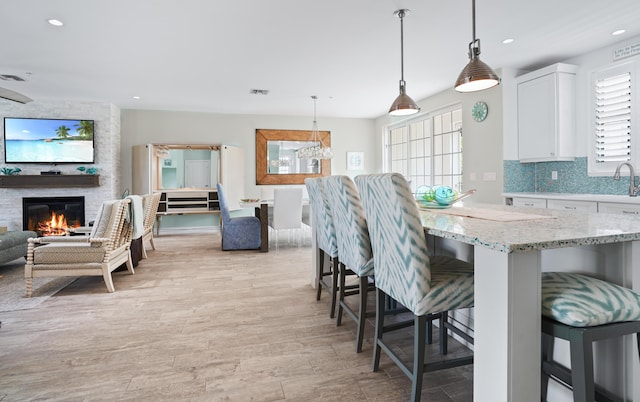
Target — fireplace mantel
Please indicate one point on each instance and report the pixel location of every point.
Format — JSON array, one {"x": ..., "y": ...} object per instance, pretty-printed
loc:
[{"x": 63, "y": 180}]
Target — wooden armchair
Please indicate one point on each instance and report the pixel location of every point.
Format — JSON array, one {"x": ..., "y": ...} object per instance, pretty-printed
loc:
[{"x": 104, "y": 250}]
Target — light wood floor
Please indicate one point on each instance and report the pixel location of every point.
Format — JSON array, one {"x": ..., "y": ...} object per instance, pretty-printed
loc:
[{"x": 195, "y": 323}]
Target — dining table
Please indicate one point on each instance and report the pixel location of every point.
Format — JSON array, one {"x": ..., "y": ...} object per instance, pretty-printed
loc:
[
  {"x": 263, "y": 209},
  {"x": 511, "y": 246}
]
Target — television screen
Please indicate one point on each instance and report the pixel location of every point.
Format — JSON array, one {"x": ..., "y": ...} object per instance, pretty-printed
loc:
[{"x": 29, "y": 140}]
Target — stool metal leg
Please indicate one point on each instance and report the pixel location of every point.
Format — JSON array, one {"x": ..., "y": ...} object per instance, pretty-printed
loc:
[
  {"x": 581, "y": 366},
  {"x": 548, "y": 343},
  {"x": 362, "y": 312},
  {"x": 380, "y": 304},
  {"x": 420, "y": 334},
  {"x": 319, "y": 274}
]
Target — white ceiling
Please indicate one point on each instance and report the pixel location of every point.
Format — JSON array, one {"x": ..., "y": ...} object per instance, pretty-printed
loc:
[{"x": 206, "y": 55}]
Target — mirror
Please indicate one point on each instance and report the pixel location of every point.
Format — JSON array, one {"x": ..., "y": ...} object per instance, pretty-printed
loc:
[
  {"x": 282, "y": 158},
  {"x": 277, "y": 161},
  {"x": 187, "y": 166}
]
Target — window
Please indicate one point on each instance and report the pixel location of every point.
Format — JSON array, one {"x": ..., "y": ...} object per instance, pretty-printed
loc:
[
  {"x": 428, "y": 150},
  {"x": 612, "y": 141}
]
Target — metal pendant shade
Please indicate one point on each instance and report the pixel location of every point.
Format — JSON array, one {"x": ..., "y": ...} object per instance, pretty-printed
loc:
[
  {"x": 476, "y": 75},
  {"x": 403, "y": 105}
]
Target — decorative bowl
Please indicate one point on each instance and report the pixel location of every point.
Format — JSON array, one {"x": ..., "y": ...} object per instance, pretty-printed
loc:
[
  {"x": 249, "y": 200},
  {"x": 439, "y": 197}
]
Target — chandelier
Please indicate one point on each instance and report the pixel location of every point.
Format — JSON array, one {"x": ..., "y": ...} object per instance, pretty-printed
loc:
[{"x": 315, "y": 148}]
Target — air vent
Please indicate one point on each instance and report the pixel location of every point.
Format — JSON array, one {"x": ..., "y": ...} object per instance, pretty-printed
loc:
[
  {"x": 259, "y": 92},
  {"x": 10, "y": 77}
]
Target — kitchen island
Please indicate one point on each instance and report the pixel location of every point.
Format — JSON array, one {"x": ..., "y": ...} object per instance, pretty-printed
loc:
[{"x": 511, "y": 247}]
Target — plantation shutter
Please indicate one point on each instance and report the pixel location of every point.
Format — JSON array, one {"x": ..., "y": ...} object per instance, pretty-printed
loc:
[{"x": 613, "y": 119}]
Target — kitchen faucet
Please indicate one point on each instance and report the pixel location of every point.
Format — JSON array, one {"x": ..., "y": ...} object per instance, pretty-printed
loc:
[{"x": 633, "y": 189}]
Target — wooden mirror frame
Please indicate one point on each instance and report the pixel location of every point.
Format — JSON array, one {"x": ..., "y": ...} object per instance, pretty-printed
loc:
[{"x": 263, "y": 135}]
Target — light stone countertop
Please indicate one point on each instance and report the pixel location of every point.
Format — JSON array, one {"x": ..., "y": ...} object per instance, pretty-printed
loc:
[
  {"x": 577, "y": 197},
  {"x": 563, "y": 229}
]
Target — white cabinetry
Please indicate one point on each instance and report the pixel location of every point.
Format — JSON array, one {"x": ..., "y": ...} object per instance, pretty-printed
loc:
[
  {"x": 187, "y": 175},
  {"x": 529, "y": 202},
  {"x": 571, "y": 205},
  {"x": 618, "y": 208},
  {"x": 610, "y": 204},
  {"x": 546, "y": 114}
]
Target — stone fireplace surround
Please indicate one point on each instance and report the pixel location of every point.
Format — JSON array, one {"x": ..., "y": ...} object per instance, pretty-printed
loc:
[{"x": 107, "y": 148}]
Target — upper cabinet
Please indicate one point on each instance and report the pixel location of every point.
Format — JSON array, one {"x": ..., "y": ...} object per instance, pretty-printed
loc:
[{"x": 546, "y": 114}]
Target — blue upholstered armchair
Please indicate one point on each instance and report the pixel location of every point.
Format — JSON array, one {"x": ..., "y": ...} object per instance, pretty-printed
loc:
[{"x": 240, "y": 233}]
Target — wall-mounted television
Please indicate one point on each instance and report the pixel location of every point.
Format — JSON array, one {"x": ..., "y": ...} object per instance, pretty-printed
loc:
[{"x": 28, "y": 140}]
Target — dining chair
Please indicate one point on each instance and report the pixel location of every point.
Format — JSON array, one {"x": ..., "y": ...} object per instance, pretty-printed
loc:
[
  {"x": 238, "y": 233},
  {"x": 287, "y": 212},
  {"x": 327, "y": 247},
  {"x": 405, "y": 272},
  {"x": 354, "y": 247},
  {"x": 582, "y": 310}
]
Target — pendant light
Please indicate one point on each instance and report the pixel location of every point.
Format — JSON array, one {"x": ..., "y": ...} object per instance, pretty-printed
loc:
[
  {"x": 315, "y": 148},
  {"x": 476, "y": 75},
  {"x": 403, "y": 105}
]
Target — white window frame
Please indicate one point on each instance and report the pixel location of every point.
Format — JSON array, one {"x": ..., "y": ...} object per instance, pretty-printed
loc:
[
  {"x": 608, "y": 168},
  {"x": 408, "y": 168}
]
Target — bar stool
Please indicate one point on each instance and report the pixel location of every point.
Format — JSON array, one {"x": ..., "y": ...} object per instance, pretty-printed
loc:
[
  {"x": 325, "y": 241},
  {"x": 582, "y": 310},
  {"x": 354, "y": 247},
  {"x": 405, "y": 272}
]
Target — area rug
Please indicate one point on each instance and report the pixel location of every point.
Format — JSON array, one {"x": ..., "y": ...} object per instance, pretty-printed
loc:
[{"x": 12, "y": 287}]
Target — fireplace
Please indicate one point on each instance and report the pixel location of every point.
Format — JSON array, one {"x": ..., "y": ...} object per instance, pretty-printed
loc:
[{"x": 51, "y": 216}]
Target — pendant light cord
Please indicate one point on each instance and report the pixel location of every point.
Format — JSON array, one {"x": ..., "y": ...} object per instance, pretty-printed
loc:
[
  {"x": 473, "y": 19},
  {"x": 474, "y": 46},
  {"x": 401, "y": 15}
]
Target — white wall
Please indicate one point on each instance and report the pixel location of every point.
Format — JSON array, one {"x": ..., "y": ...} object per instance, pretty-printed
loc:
[
  {"x": 482, "y": 142},
  {"x": 172, "y": 127}
]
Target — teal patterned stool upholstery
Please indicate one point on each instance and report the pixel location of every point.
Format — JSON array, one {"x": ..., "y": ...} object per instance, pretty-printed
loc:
[
  {"x": 354, "y": 248},
  {"x": 325, "y": 240},
  {"x": 582, "y": 310},
  {"x": 405, "y": 272}
]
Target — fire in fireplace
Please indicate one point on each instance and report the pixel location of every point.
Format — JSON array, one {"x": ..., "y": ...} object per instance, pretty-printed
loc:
[{"x": 51, "y": 216}]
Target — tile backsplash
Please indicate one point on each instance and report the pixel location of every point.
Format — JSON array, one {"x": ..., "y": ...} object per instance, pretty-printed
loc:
[{"x": 572, "y": 178}]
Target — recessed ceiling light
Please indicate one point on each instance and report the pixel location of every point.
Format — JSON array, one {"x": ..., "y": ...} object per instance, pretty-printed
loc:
[
  {"x": 618, "y": 32},
  {"x": 507, "y": 41},
  {"x": 55, "y": 22},
  {"x": 136, "y": 97}
]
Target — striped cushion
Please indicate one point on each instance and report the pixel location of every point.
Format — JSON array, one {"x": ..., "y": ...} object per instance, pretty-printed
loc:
[
  {"x": 582, "y": 301},
  {"x": 451, "y": 285},
  {"x": 352, "y": 235},
  {"x": 67, "y": 253}
]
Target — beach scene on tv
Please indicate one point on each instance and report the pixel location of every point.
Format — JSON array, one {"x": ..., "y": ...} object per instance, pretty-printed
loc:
[{"x": 48, "y": 140}]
